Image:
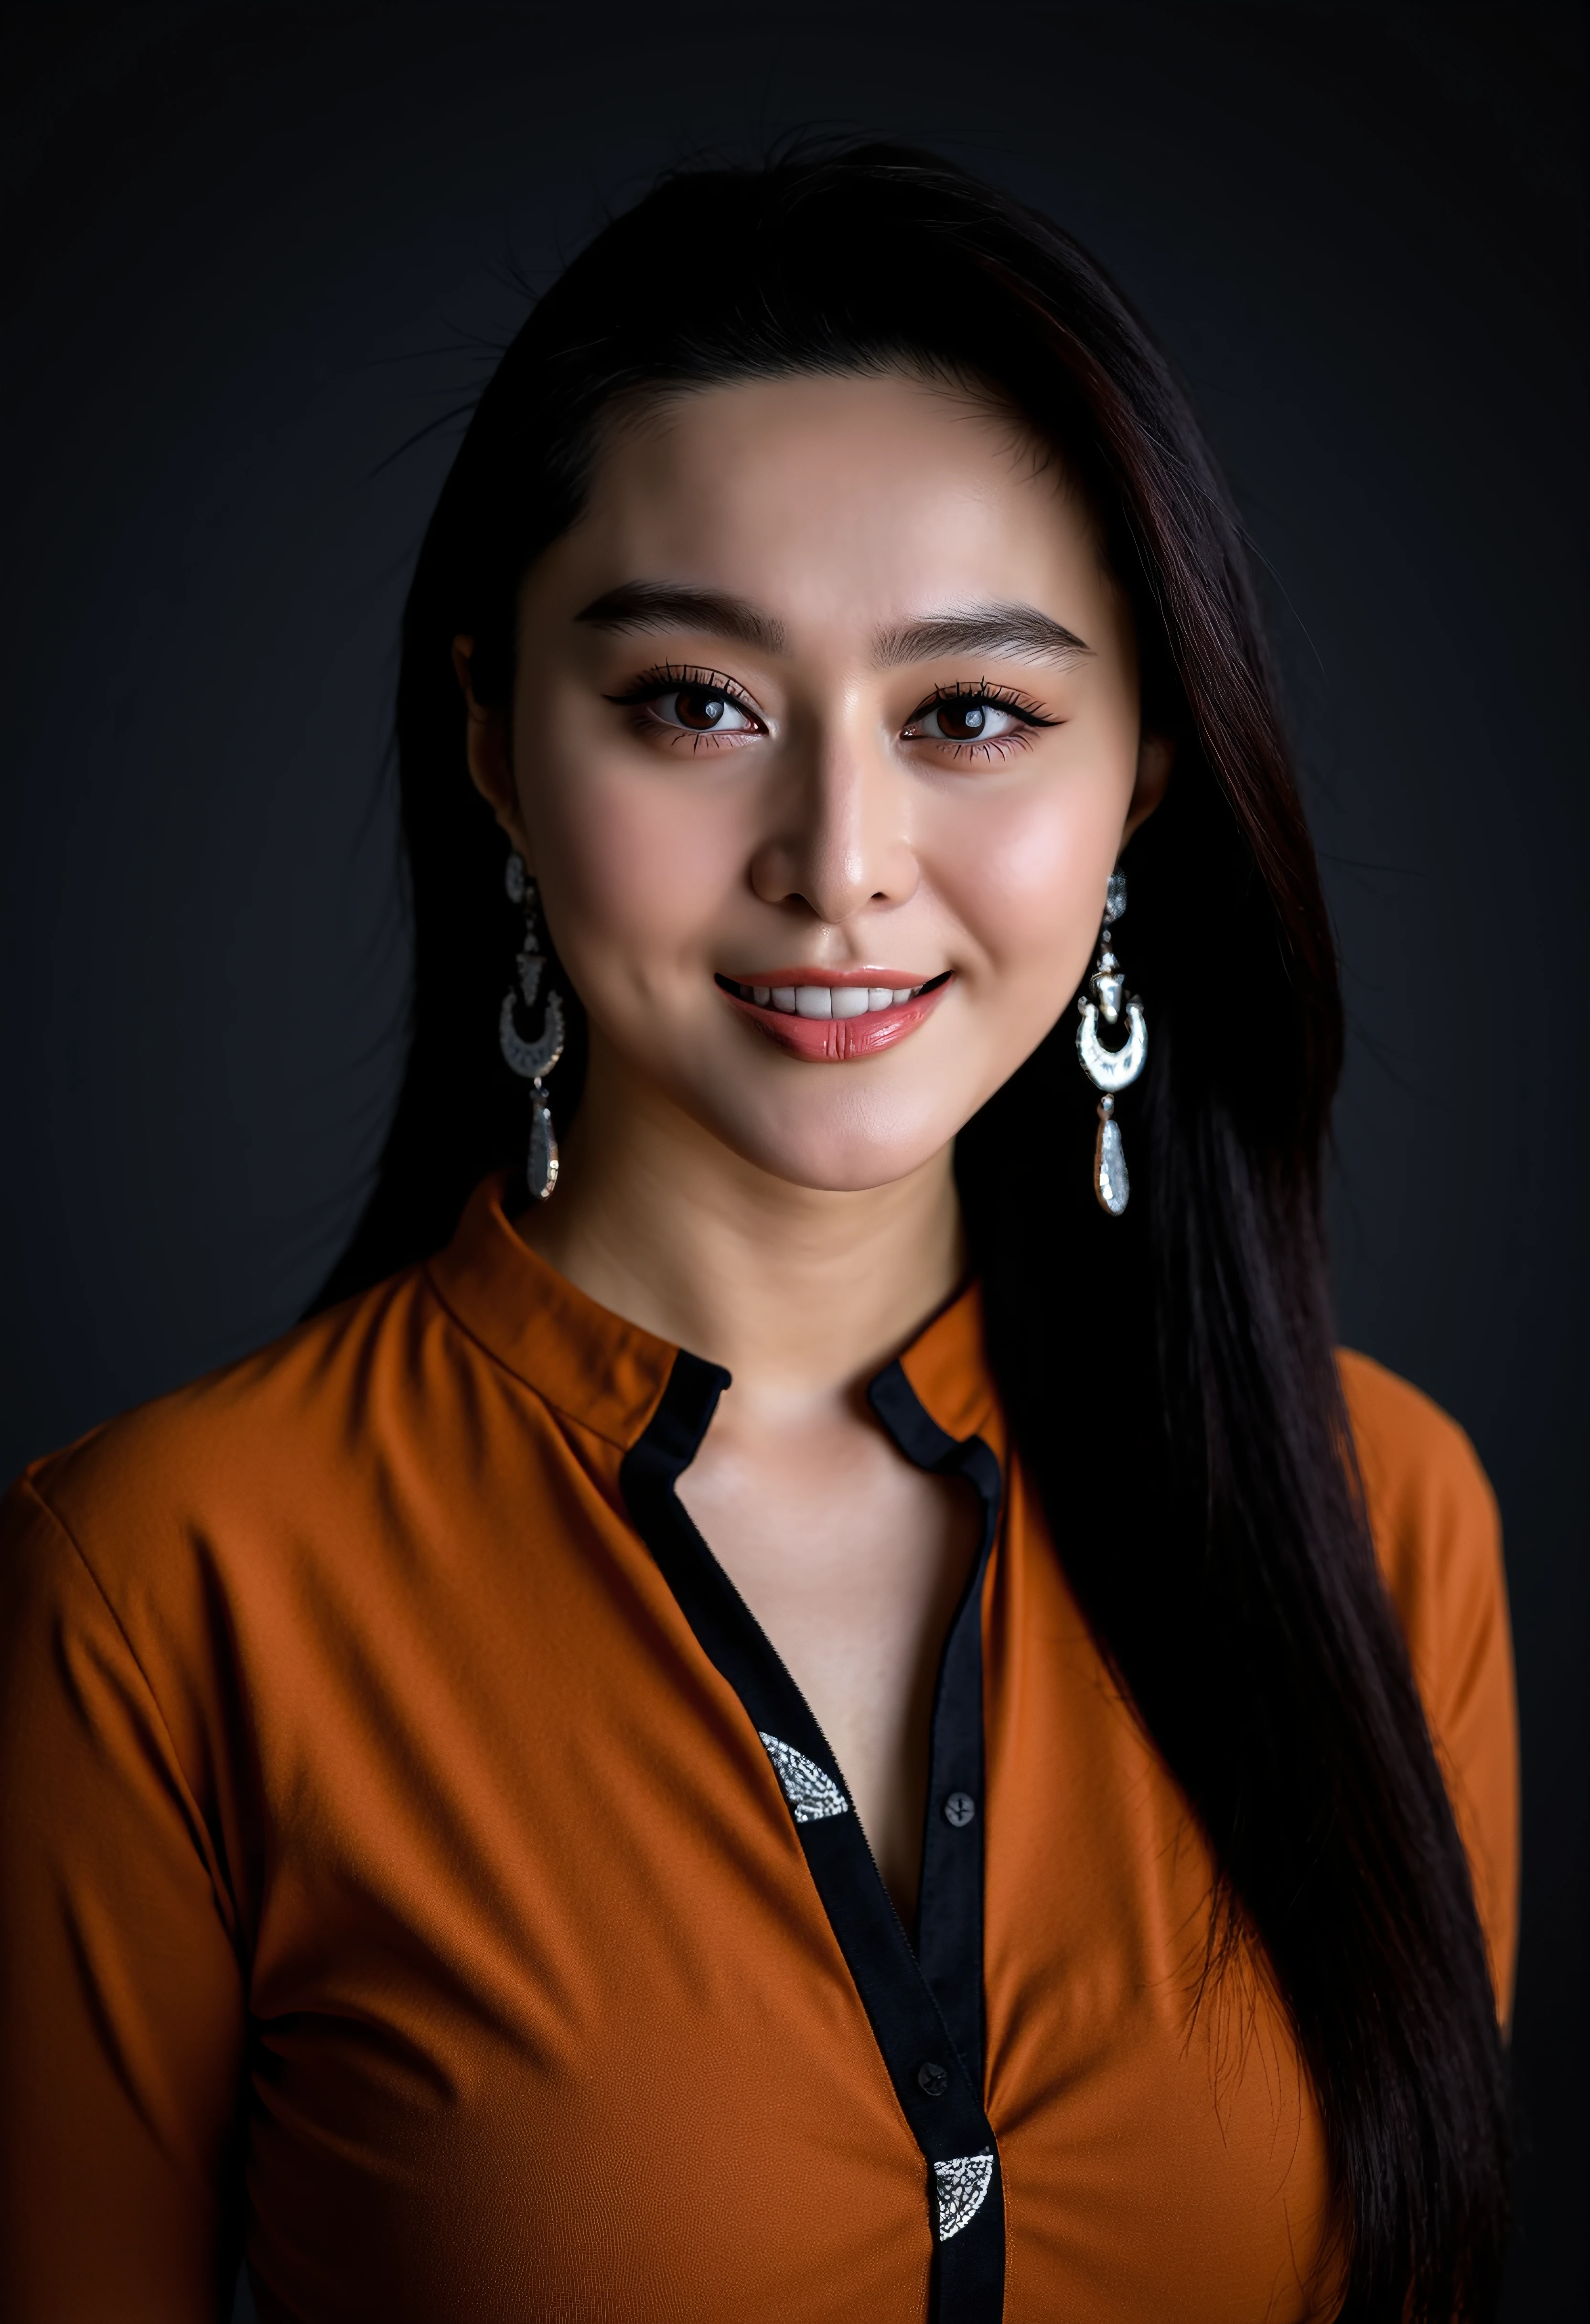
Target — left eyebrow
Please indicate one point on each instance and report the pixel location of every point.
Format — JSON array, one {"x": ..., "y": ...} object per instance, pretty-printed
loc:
[{"x": 1020, "y": 631}]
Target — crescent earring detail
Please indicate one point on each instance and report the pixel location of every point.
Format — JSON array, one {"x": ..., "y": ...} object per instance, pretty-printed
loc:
[
  {"x": 1110, "y": 1070},
  {"x": 532, "y": 1059}
]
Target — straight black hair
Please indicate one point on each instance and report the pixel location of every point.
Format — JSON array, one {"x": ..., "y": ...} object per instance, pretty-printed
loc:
[{"x": 1169, "y": 1377}]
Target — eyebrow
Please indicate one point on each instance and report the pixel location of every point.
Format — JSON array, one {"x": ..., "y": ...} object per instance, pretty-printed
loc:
[
  {"x": 1019, "y": 631},
  {"x": 669, "y": 606},
  {"x": 1016, "y": 630}
]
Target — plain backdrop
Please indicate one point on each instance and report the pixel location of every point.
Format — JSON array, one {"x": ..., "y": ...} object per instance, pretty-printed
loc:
[{"x": 258, "y": 259}]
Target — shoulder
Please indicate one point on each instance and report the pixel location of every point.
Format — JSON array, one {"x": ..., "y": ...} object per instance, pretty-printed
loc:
[
  {"x": 1431, "y": 1512},
  {"x": 1416, "y": 1451},
  {"x": 1421, "y": 1476},
  {"x": 295, "y": 1513},
  {"x": 237, "y": 1450}
]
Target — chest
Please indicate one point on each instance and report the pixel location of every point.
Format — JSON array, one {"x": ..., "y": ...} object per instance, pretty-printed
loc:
[
  {"x": 553, "y": 2017},
  {"x": 852, "y": 1560}
]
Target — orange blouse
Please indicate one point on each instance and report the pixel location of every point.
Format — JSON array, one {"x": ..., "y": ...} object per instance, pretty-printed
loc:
[{"x": 393, "y": 1878}]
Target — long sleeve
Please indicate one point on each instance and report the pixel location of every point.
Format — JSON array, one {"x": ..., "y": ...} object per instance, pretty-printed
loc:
[{"x": 121, "y": 2008}]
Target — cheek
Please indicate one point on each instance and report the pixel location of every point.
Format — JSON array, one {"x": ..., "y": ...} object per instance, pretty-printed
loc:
[
  {"x": 632, "y": 864},
  {"x": 1025, "y": 879}
]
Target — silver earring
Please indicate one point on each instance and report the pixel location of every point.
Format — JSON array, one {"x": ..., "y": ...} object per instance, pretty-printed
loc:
[
  {"x": 1110, "y": 1070},
  {"x": 532, "y": 1058}
]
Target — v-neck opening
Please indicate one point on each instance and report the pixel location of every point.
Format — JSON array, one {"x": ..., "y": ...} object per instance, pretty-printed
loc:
[{"x": 923, "y": 1993}]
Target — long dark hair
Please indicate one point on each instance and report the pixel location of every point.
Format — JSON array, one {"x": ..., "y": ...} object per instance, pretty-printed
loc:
[{"x": 1169, "y": 1377}]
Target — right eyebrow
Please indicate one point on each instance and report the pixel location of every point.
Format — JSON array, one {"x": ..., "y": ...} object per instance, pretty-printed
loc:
[{"x": 669, "y": 605}]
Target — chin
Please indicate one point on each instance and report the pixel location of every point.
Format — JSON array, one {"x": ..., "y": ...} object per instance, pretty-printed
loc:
[
  {"x": 844, "y": 1149},
  {"x": 850, "y": 1173}
]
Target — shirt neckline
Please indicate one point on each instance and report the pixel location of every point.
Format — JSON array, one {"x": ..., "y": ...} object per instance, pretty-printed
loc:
[{"x": 607, "y": 1374}]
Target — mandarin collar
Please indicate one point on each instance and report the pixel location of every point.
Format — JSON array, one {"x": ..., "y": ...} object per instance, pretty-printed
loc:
[{"x": 607, "y": 1374}]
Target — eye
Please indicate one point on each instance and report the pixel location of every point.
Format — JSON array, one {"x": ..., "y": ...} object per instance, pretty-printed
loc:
[
  {"x": 702, "y": 710},
  {"x": 975, "y": 719},
  {"x": 698, "y": 703},
  {"x": 967, "y": 719}
]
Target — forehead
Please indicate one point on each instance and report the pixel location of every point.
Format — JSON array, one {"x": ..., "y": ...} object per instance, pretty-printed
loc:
[{"x": 821, "y": 495}]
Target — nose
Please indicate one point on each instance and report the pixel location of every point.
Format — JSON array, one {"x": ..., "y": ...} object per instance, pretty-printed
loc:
[{"x": 841, "y": 840}]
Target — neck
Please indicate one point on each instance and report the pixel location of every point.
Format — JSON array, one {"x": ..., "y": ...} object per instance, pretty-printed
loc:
[{"x": 798, "y": 1291}]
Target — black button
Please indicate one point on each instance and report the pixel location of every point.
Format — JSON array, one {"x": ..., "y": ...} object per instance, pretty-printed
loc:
[
  {"x": 959, "y": 1809},
  {"x": 932, "y": 2080}
]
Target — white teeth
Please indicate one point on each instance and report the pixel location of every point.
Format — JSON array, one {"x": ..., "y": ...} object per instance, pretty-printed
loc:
[{"x": 829, "y": 999}]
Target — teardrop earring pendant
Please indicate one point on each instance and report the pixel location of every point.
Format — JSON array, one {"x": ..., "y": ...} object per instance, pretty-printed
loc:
[
  {"x": 1110, "y": 1070},
  {"x": 1111, "y": 1182},
  {"x": 532, "y": 1059}
]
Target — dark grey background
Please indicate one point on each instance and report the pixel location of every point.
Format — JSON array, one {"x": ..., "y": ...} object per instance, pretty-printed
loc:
[{"x": 260, "y": 254}]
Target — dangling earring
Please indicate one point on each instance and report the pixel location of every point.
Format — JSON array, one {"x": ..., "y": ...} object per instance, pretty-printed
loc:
[
  {"x": 532, "y": 1058},
  {"x": 1110, "y": 1070}
]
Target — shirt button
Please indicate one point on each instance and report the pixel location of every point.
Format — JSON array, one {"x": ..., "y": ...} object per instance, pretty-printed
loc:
[
  {"x": 959, "y": 1809},
  {"x": 932, "y": 2080}
]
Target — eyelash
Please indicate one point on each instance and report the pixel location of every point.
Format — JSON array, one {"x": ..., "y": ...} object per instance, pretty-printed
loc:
[
  {"x": 669, "y": 677},
  {"x": 997, "y": 697}
]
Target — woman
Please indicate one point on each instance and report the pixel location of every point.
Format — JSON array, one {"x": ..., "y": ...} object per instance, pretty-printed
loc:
[{"x": 838, "y": 1708}]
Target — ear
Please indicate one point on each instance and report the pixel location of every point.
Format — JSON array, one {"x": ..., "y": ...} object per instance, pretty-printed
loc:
[
  {"x": 1157, "y": 755},
  {"x": 490, "y": 761}
]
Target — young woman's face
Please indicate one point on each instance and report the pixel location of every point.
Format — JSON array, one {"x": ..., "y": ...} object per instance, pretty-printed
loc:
[{"x": 825, "y": 739}]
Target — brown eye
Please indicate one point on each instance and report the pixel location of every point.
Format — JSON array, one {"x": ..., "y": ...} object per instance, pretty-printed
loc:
[
  {"x": 962, "y": 721},
  {"x": 967, "y": 718},
  {"x": 699, "y": 708}
]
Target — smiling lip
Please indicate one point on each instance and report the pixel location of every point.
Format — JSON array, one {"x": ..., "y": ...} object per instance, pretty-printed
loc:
[{"x": 796, "y": 1009}]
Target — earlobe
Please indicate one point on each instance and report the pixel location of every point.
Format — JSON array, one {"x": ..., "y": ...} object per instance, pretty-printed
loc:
[
  {"x": 1156, "y": 756},
  {"x": 490, "y": 767}
]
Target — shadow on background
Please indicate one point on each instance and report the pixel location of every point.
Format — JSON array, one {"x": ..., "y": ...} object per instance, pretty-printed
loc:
[{"x": 261, "y": 260}]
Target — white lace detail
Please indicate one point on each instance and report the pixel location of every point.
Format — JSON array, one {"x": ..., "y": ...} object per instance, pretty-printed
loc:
[
  {"x": 811, "y": 1793},
  {"x": 962, "y": 2185}
]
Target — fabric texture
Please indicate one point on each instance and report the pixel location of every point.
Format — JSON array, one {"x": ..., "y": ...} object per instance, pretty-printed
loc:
[{"x": 391, "y": 1878}]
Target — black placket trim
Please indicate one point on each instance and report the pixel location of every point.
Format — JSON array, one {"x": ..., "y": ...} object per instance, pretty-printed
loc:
[
  {"x": 925, "y": 2006},
  {"x": 949, "y": 1906}
]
